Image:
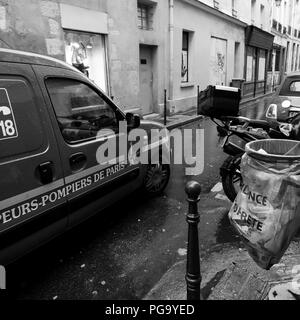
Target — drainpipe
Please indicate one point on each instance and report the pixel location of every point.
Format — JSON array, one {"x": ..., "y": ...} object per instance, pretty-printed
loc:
[{"x": 171, "y": 30}]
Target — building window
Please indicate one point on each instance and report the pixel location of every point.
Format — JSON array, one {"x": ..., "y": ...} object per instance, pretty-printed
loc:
[
  {"x": 86, "y": 52},
  {"x": 277, "y": 60},
  {"x": 287, "y": 55},
  {"x": 262, "y": 16},
  {"x": 271, "y": 60},
  {"x": 293, "y": 57},
  {"x": 297, "y": 59},
  {"x": 237, "y": 60},
  {"x": 185, "y": 57},
  {"x": 145, "y": 15},
  {"x": 233, "y": 6},
  {"x": 253, "y": 8}
]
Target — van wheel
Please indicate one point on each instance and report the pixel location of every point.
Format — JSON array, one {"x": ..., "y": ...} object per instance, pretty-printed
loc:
[{"x": 156, "y": 179}]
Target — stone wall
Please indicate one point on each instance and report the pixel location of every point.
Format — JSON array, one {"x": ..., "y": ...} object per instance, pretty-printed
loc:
[
  {"x": 31, "y": 25},
  {"x": 35, "y": 25}
]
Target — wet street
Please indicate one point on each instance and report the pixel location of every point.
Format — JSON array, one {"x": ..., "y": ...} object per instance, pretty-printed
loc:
[{"x": 122, "y": 252}]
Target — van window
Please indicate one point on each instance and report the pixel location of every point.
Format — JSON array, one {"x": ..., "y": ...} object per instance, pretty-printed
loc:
[
  {"x": 20, "y": 125},
  {"x": 81, "y": 112}
]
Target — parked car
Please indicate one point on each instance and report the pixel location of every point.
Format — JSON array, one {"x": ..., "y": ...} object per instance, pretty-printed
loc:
[
  {"x": 285, "y": 106},
  {"x": 50, "y": 176}
]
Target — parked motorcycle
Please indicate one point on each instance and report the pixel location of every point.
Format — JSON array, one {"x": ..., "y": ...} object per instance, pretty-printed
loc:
[
  {"x": 247, "y": 130},
  {"x": 221, "y": 104}
]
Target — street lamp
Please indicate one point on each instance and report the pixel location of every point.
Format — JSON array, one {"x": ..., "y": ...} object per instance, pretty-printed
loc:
[{"x": 278, "y": 3}]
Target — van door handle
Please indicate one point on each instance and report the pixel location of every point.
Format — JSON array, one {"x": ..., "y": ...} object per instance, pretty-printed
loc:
[
  {"x": 46, "y": 172},
  {"x": 77, "y": 161}
]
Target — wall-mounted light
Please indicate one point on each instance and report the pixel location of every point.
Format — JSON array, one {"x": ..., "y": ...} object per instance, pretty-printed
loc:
[{"x": 278, "y": 3}]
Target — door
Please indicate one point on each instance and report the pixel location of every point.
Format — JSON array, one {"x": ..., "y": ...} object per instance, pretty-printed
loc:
[
  {"x": 30, "y": 167},
  {"x": 218, "y": 62},
  {"x": 146, "y": 79},
  {"x": 86, "y": 121}
]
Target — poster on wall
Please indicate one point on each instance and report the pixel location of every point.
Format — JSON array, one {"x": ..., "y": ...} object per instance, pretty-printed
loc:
[{"x": 218, "y": 61}]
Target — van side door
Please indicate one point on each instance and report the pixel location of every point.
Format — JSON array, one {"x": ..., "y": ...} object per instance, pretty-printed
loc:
[
  {"x": 81, "y": 115},
  {"x": 31, "y": 175}
]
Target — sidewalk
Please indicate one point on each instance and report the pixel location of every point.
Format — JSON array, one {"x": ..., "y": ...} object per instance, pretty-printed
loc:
[
  {"x": 176, "y": 120},
  {"x": 181, "y": 119},
  {"x": 230, "y": 274}
]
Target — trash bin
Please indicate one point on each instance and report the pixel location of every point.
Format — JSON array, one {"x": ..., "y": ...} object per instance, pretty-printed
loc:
[{"x": 266, "y": 212}]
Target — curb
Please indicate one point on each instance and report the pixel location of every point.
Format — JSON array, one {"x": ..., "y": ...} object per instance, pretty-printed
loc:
[
  {"x": 243, "y": 105},
  {"x": 184, "y": 122}
]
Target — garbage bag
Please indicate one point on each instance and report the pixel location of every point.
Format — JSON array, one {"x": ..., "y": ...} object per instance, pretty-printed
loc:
[{"x": 266, "y": 212}]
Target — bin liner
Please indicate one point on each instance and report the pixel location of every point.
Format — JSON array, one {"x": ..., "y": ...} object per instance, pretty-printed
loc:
[{"x": 266, "y": 212}]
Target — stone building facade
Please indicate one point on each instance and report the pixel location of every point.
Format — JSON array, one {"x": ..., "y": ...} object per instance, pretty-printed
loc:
[{"x": 136, "y": 50}]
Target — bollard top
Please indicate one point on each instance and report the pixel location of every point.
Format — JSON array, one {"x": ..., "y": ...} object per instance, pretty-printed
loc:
[{"x": 193, "y": 190}]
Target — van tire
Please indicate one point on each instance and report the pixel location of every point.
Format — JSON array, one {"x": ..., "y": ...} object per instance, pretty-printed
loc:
[{"x": 156, "y": 179}]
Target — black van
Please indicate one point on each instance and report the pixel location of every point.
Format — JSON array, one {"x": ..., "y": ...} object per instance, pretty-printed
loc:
[{"x": 50, "y": 177}]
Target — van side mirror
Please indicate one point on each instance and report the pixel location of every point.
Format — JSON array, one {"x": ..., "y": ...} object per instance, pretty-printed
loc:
[{"x": 133, "y": 120}]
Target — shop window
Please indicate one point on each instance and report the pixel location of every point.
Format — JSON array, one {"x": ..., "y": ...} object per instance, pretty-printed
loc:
[
  {"x": 261, "y": 64},
  {"x": 81, "y": 112},
  {"x": 271, "y": 60},
  {"x": 251, "y": 64},
  {"x": 86, "y": 52},
  {"x": 145, "y": 16},
  {"x": 185, "y": 57}
]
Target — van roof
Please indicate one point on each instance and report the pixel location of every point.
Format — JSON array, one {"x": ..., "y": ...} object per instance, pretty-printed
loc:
[{"x": 8, "y": 55}]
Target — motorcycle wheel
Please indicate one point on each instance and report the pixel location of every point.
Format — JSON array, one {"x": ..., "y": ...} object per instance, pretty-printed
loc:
[{"x": 231, "y": 177}]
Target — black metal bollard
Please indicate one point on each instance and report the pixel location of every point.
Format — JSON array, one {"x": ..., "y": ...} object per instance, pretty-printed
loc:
[
  {"x": 165, "y": 107},
  {"x": 193, "y": 273}
]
